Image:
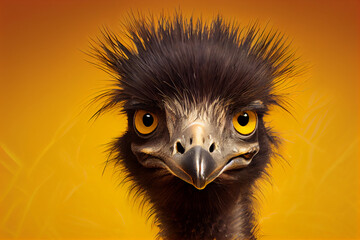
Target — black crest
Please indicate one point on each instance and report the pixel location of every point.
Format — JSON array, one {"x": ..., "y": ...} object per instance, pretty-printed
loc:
[{"x": 188, "y": 58}]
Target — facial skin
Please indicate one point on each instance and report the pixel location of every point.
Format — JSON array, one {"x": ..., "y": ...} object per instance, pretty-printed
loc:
[{"x": 205, "y": 140}]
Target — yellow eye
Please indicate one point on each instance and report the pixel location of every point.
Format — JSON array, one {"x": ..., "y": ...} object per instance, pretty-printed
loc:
[
  {"x": 245, "y": 122},
  {"x": 145, "y": 122}
]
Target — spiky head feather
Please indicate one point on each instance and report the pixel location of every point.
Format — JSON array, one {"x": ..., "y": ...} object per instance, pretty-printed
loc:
[{"x": 188, "y": 59}]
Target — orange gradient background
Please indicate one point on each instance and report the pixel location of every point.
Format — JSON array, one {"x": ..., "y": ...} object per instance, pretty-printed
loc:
[{"x": 52, "y": 157}]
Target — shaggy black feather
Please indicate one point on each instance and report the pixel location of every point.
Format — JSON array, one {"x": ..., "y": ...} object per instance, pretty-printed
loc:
[{"x": 187, "y": 59}]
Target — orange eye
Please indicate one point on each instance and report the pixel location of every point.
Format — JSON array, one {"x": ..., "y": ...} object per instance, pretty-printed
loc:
[
  {"x": 145, "y": 122},
  {"x": 245, "y": 122}
]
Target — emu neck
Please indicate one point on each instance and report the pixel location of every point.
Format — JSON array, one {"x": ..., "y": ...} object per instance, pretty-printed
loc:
[{"x": 202, "y": 220}]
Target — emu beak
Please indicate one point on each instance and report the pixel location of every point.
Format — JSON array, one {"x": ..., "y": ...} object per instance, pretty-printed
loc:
[
  {"x": 192, "y": 159},
  {"x": 199, "y": 165}
]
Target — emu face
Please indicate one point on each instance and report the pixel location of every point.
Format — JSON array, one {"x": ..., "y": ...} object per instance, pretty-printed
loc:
[
  {"x": 195, "y": 95},
  {"x": 203, "y": 140}
]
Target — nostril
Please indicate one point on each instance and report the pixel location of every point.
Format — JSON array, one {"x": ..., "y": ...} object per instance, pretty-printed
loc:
[
  {"x": 180, "y": 148},
  {"x": 212, "y": 147},
  {"x": 190, "y": 141}
]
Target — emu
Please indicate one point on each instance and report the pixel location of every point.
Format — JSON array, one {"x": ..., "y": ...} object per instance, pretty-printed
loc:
[{"x": 195, "y": 94}]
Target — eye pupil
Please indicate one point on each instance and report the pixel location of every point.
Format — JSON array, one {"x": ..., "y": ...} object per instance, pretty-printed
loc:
[
  {"x": 148, "y": 119},
  {"x": 243, "y": 119}
]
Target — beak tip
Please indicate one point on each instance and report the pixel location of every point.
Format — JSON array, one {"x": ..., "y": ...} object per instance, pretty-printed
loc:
[{"x": 200, "y": 183}]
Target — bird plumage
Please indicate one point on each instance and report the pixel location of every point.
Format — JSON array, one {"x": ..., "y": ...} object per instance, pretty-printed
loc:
[{"x": 186, "y": 71}]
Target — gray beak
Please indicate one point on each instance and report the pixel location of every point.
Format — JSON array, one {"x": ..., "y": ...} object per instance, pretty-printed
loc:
[{"x": 198, "y": 164}]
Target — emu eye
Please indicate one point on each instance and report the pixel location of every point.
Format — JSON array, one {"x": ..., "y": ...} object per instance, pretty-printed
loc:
[
  {"x": 245, "y": 122},
  {"x": 145, "y": 122}
]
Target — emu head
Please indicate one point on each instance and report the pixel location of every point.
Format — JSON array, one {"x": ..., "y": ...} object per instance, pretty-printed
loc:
[{"x": 195, "y": 95}]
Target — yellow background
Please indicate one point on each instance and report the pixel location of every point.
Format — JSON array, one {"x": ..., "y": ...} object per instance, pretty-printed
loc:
[{"x": 52, "y": 157}]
